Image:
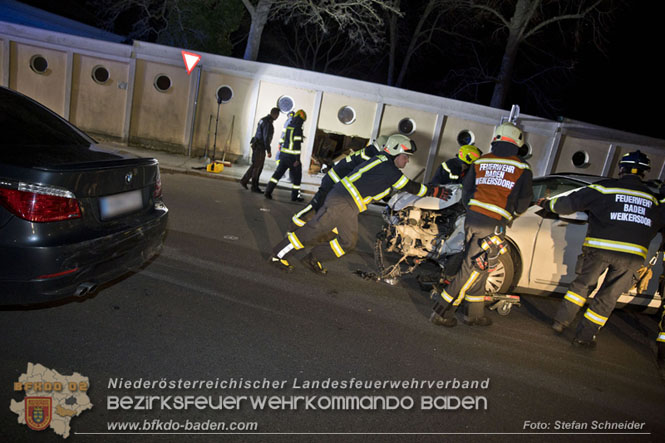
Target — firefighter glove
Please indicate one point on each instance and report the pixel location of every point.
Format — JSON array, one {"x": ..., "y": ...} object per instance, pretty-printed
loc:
[
  {"x": 441, "y": 192},
  {"x": 543, "y": 203}
]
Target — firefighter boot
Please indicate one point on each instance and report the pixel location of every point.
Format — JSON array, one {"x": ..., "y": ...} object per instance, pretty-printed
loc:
[
  {"x": 586, "y": 334},
  {"x": 443, "y": 315},
  {"x": 281, "y": 263},
  {"x": 475, "y": 314},
  {"x": 269, "y": 188},
  {"x": 313, "y": 264}
]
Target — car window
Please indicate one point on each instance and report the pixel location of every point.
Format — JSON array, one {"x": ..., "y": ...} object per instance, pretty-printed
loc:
[
  {"x": 25, "y": 123},
  {"x": 553, "y": 186}
]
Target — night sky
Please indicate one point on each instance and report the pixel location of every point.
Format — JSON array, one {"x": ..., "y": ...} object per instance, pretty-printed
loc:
[{"x": 624, "y": 90}]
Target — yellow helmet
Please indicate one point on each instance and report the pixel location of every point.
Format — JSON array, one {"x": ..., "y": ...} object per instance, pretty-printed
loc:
[
  {"x": 469, "y": 154},
  {"x": 301, "y": 113},
  {"x": 508, "y": 132}
]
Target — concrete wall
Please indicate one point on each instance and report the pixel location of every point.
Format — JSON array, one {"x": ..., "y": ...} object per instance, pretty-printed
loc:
[
  {"x": 160, "y": 116},
  {"x": 49, "y": 88},
  {"x": 129, "y": 107},
  {"x": 235, "y": 114},
  {"x": 99, "y": 107},
  {"x": 365, "y": 112},
  {"x": 424, "y": 122}
]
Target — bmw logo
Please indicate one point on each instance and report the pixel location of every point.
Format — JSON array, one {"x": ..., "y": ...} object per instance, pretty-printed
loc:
[{"x": 128, "y": 177}]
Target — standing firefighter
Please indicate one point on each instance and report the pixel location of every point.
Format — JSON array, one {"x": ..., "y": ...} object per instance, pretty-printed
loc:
[
  {"x": 370, "y": 181},
  {"x": 453, "y": 170},
  {"x": 289, "y": 157},
  {"x": 334, "y": 175},
  {"x": 624, "y": 216},
  {"x": 496, "y": 189},
  {"x": 260, "y": 146}
]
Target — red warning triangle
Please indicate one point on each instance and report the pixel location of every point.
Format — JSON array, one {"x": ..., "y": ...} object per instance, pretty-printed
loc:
[{"x": 191, "y": 60}]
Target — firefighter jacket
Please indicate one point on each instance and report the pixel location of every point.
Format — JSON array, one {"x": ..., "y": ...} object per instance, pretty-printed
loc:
[
  {"x": 375, "y": 178},
  {"x": 351, "y": 161},
  {"x": 624, "y": 215},
  {"x": 498, "y": 185},
  {"x": 264, "y": 133},
  {"x": 449, "y": 172},
  {"x": 292, "y": 138}
]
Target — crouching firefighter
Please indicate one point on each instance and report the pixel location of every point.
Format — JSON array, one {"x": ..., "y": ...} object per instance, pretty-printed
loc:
[
  {"x": 453, "y": 170},
  {"x": 624, "y": 216},
  {"x": 496, "y": 189},
  {"x": 340, "y": 170},
  {"x": 372, "y": 180}
]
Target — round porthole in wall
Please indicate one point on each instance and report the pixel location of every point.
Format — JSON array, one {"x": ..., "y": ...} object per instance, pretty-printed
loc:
[
  {"x": 406, "y": 126},
  {"x": 580, "y": 159},
  {"x": 285, "y": 104},
  {"x": 162, "y": 82},
  {"x": 346, "y": 115},
  {"x": 38, "y": 64},
  {"x": 100, "y": 74},
  {"x": 224, "y": 94},
  {"x": 466, "y": 137}
]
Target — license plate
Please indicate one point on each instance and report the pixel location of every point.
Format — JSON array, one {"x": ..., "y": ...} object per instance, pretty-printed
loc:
[{"x": 119, "y": 204}]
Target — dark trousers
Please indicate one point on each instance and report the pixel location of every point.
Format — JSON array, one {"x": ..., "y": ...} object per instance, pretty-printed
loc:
[
  {"x": 590, "y": 265},
  {"x": 339, "y": 211},
  {"x": 292, "y": 164},
  {"x": 254, "y": 171},
  {"x": 468, "y": 285},
  {"x": 303, "y": 216}
]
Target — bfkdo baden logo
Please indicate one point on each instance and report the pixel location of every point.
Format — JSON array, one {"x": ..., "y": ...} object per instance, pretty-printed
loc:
[
  {"x": 38, "y": 412},
  {"x": 51, "y": 399}
]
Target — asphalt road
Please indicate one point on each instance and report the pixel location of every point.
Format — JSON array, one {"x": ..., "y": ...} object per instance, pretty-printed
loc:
[{"x": 210, "y": 308}]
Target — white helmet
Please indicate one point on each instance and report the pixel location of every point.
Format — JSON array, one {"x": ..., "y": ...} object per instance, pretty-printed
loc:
[
  {"x": 508, "y": 132},
  {"x": 399, "y": 144}
]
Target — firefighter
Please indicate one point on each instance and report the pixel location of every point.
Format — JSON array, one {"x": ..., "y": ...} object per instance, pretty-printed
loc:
[
  {"x": 496, "y": 189},
  {"x": 624, "y": 216},
  {"x": 660, "y": 343},
  {"x": 289, "y": 157},
  {"x": 371, "y": 180},
  {"x": 260, "y": 146},
  {"x": 453, "y": 170},
  {"x": 334, "y": 175}
]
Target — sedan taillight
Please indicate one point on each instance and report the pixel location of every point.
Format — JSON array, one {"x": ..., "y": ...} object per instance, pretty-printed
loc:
[
  {"x": 39, "y": 203},
  {"x": 157, "y": 193}
]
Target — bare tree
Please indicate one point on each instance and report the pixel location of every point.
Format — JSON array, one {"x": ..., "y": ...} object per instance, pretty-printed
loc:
[
  {"x": 522, "y": 20},
  {"x": 361, "y": 20},
  {"x": 429, "y": 26},
  {"x": 195, "y": 24}
]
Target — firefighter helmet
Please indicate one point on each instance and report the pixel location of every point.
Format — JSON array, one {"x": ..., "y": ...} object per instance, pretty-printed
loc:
[
  {"x": 380, "y": 141},
  {"x": 399, "y": 144},
  {"x": 634, "y": 163},
  {"x": 301, "y": 113},
  {"x": 508, "y": 132},
  {"x": 469, "y": 154}
]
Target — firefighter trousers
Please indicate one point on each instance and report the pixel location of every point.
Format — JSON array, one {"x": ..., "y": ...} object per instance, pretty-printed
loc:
[
  {"x": 291, "y": 163},
  {"x": 590, "y": 265},
  {"x": 303, "y": 216},
  {"x": 468, "y": 285},
  {"x": 339, "y": 211}
]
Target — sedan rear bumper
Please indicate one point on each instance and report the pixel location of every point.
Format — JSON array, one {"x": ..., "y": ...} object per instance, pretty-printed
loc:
[{"x": 81, "y": 266}]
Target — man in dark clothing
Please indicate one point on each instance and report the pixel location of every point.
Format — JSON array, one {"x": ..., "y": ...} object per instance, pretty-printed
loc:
[
  {"x": 260, "y": 145},
  {"x": 496, "y": 189},
  {"x": 289, "y": 157},
  {"x": 624, "y": 216},
  {"x": 334, "y": 175},
  {"x": 453, "y": 170},
  {"x": 370, "y": 181}
]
